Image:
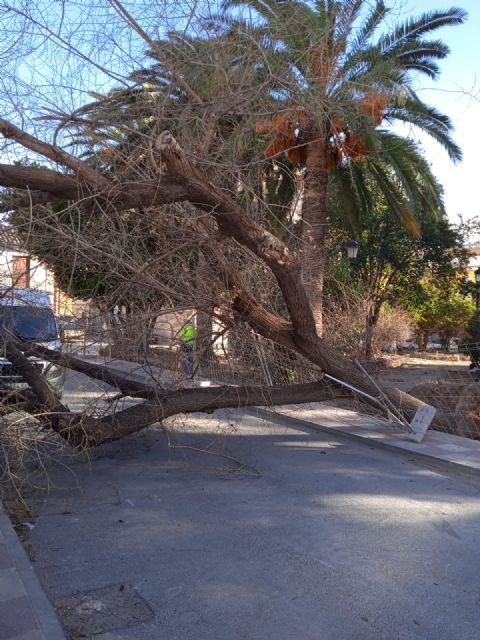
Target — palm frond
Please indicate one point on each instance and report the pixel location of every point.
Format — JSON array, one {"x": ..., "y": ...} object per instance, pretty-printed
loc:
[
  {"x": 352, "y": 193},
  {"x": 264, "y": 8},
  {"x": 347, "y": 198},
  {"x": 427, "y": 119},
  {"x": 395, "y": 198},
  {"x": 412, "y": 171},
  {"x": 366, "y": 31},
  {"x": 423, "y": 49},
  {"x": 414, "y": 28},
  {"x": 347, "y": 13}
]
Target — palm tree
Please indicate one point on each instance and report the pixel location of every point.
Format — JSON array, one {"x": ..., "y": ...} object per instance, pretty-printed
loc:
[
  {"x": 316, "y": 82},
  {"x": 338, "y": 84}
]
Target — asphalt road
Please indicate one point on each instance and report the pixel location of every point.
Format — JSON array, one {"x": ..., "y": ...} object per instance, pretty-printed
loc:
[{"x": 238, "y": 528}]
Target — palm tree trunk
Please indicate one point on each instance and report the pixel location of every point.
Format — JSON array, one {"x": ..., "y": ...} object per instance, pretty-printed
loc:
[{"x": 314, "y": 219}]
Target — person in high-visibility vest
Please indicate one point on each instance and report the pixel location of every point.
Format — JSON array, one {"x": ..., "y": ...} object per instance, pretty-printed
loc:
[{"x": 187, "y": 335}]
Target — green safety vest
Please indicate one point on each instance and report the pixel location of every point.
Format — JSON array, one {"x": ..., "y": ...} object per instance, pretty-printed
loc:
[{"x": 187, "y": 333}]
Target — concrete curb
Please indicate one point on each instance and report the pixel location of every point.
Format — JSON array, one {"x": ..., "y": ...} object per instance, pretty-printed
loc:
[
  {"x": 422, "y": 456},
  {"x": 44, "y": 613}
]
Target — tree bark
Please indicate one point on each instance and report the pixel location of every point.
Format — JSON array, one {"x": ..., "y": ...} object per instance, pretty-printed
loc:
[
  {"x": 371, "y": 321},
  {"x": 422, "y": 340},
  {"x": 207, "y": 400},
  {"x": 314, "y": 224},
  {"x": 50, "y": 186},
  {"x": 40, "y": 388},
  {"x": 83, "y": 170},
  {"x": 85, "y": 432}
]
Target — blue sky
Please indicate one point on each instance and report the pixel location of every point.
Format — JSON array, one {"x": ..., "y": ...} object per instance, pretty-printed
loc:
[{"x": 456, "y": 93}]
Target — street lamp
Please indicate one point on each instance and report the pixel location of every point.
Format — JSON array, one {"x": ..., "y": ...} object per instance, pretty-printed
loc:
[{"x": 353, "y": 247}]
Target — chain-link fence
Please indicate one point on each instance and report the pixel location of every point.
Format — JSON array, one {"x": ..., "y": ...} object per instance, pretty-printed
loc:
[
  {"x": 240, "y": 356},
  {"x": 453, "y": 387}
]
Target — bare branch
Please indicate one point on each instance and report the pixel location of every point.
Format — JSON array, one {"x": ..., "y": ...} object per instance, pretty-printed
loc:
[
  {"x": 54, "y": 153},
  {"x": 37, "y": 179},
  {"x": 122, "y": 381},
  {"x": 119, "y": 7}
]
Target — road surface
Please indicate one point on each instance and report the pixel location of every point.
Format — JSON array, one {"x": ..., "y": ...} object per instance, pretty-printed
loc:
[{"x": 232, "y": 527}]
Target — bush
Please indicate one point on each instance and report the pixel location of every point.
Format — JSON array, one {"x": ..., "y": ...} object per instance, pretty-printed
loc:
[{"x": 344, "y": 324}]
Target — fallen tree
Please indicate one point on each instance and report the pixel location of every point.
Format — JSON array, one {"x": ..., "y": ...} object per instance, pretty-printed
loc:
[
  {"x": 84, "y": 432},
  {"x": 175, "y": 158},
  {"x": 297, "y": 332}
]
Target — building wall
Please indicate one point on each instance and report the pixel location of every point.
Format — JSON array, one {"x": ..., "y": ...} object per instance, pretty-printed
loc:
[{"x": 39, "y": 278}]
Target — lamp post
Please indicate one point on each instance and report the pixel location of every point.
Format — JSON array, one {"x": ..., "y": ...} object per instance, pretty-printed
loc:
[
  {"x": 477, "y": 288},
  {"x": 352, "y": 252}
]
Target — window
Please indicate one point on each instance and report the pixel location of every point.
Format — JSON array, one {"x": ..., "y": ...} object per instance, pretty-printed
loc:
[{"x": 29, "y": 322}]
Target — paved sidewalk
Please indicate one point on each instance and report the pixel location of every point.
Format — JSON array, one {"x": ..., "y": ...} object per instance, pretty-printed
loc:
[
  {"x": 25, "y": 611},
  {"x": 443, "y": 448}
]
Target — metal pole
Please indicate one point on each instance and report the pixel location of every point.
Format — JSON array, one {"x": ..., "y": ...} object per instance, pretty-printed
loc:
[
  {"x": 383, "y": 396},
  {"x": 263, "y": 360},
  {"x": 352, "y": 388}
]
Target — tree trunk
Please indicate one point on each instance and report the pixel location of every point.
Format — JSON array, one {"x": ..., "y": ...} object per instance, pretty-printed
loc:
[
  {"x": 371, "y": 321},
  {"x": 84, "y": 432},
  {"x": 314, "y": 221},
  {"x": 422, "y": 339}
]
